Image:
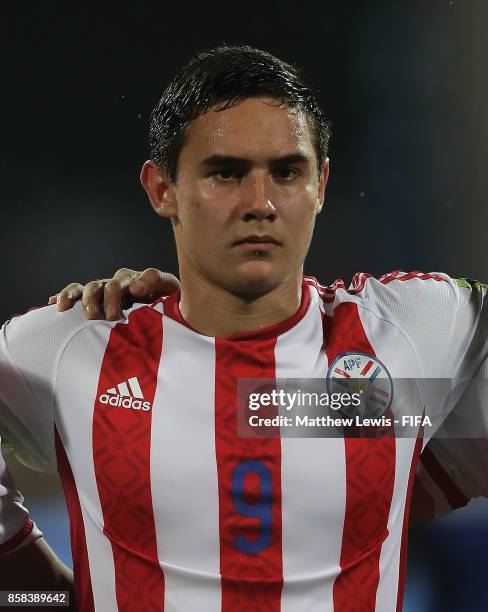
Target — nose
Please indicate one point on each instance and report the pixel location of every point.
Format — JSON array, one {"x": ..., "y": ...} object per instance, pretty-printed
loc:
[{"x": 255, "y": 197}]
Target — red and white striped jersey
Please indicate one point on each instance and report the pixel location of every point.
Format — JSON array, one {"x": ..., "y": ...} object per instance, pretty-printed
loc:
[{"x": 171, "y": 510}]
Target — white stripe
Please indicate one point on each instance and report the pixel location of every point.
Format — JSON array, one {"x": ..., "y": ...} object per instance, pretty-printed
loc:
[
  {"x": 159, "y": 307},
  {"x": 183, "y": 452},
  {"x": 123, "y": 389},
  {"x": 313, "y": 483},
  {"x": 386, "y": 596},
  {"x": 112, "y": 391},
  {"x": 74, "y": 401},
  {"x": 135, "y": 388}
]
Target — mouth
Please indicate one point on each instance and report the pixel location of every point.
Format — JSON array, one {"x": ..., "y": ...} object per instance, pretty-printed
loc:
[{"x": 258, "y": 243}]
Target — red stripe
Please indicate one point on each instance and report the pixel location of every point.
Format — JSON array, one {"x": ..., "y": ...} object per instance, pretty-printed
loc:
[
  {"x": 435, "y": 470},
  {"x": 17, "y": 539},
  {"x": 404, "y": 546},
  {"x": 81, "y": 566},
  {"x": 250, "y": 581},
  {"x": 387, "y": 278},
  {"x": 121, "y": 453},
  {"x": 342, "y": 373},
  {"x": 366, "y": 368},
  {"x": 370, "y": 474},
  {"x": 422, "y": 505}
]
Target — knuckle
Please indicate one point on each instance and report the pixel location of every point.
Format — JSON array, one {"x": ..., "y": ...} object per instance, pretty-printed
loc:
[
  {"x": 71, "y": 287},
  {"x": 122, "y": 272},
  {"x": 151, "y": 273},
  {"x": 112, "y": 285},
  {"x": 92, "y": 286}
]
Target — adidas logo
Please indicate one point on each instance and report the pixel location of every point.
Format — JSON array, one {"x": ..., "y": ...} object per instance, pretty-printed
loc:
[{"x": 127, "y": 394}]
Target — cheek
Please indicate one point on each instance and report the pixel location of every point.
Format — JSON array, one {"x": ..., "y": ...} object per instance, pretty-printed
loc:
[
  {"x": 202, "y": 217},
  {"x": 192, "y": 202},
  {"x": 210, "y": 192},
  {"x": 301, "y": 213},
  {"x": 216, "y": 204}
]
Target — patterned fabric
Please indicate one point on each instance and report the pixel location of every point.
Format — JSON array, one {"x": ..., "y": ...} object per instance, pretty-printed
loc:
[{"x": 171, "y": 510}]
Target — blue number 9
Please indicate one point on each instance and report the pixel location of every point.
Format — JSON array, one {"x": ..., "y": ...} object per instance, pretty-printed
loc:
[{"x": 262, "y": 509}]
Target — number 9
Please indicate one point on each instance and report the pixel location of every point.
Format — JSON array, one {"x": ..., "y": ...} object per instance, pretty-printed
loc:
[{"x": 262, "y": 509}]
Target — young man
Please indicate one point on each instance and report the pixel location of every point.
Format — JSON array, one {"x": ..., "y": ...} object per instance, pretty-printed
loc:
[{"x": 169, "y": 508}]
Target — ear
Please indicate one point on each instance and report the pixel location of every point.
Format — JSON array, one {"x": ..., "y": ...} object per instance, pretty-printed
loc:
[
  {"x": 324, "y": 177},
  {"x": 159, "y": 189}
]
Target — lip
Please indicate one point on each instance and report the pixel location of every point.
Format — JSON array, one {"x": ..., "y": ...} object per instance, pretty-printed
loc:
[
  {"x": 262, "y": 247},
  {"x": 258, "y": 241}
]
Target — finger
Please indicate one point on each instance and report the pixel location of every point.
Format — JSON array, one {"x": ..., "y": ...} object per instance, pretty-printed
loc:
[
  {"x": 115, "y": 290},
  {"x": 92, "y": 299},
  {"x": 66, "y": 298},
  {"x": 154, "y": 283}
]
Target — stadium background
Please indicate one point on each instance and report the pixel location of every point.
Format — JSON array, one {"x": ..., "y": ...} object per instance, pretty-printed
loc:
[{"x": 405, "y": 86}]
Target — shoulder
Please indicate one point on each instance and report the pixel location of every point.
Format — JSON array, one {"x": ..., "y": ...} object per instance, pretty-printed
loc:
[
  {"x": 437, "y": 314},
  {"x": 422, "y": 306},
  {"x": 418, "y": 309},
  {"x": 33, "y": 342},
  {"x": 37, "y": 338},
  {"x": 391, "y": 292},
  {"x": 29, "y": 349},
  {"x": 44, "y": 329}
]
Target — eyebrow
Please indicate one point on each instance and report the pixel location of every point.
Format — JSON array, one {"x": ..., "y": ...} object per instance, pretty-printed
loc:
[{"x": 229, "y": 160}]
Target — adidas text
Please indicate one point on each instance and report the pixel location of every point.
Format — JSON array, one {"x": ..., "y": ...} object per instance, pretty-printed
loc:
[{"x": 124, "y": 402}]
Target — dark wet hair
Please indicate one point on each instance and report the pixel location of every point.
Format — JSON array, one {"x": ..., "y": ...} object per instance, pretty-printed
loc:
[{"x": 223, "y": 77}]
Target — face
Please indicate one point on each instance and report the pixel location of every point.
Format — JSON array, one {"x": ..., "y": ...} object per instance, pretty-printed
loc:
[{"x": 246, "y": 196}]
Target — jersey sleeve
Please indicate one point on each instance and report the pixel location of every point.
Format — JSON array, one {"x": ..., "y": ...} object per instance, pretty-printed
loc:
[
  {"x": 445, "y": 322},
  {"x": 453, "y": 468},
  {"x": 30, "y": 347},
  {"x": 450, "y": 473},
  {"x": 16, "y": 528}
]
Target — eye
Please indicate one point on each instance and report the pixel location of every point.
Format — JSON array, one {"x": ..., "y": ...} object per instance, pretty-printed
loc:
[
  {"x": 286, "y": 173},
  {"x": 226, "y": 174}
]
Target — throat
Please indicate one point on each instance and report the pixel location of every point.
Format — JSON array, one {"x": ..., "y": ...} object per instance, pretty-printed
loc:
[{"x": 221, "y": 314}]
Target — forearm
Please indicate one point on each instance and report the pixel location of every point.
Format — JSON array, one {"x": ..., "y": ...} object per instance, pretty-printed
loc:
[{"x": 36, "y": 567}]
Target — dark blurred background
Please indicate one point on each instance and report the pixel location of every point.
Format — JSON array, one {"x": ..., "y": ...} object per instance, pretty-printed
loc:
[{"x": 405, "y": 86}]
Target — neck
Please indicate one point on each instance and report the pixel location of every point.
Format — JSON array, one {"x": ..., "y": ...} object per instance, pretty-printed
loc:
[{"x": 213, "y": 311}]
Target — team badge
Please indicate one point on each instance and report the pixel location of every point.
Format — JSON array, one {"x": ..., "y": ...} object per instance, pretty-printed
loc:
[{"x": 364, "y": 374}]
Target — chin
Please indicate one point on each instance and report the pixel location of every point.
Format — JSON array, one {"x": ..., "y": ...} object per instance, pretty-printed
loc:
[
  {"x": 251, "y": 279},
  {"x": 253, "y": 285}
]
